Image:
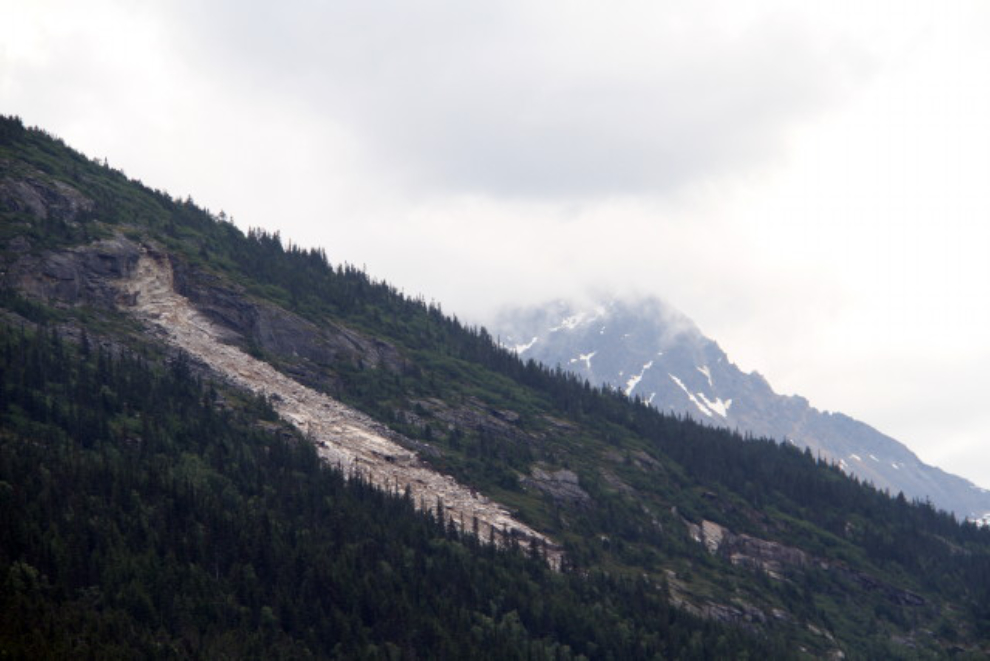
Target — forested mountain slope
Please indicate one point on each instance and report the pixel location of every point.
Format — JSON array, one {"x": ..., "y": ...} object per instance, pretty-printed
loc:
[
  {"x": 155, "y": 507},
  {"x": 147, "y": 514}
]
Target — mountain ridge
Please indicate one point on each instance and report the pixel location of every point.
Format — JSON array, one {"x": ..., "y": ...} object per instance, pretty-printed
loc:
[
  {"x": 658, "y": 517},
  {"x": 646, "y": 349}
]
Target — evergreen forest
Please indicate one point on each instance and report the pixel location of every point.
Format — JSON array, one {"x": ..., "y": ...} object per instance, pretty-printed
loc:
[{"x": 148, "y": 509}]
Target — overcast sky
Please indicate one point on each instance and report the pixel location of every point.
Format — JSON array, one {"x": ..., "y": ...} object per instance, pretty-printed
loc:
[{"x": 808, "y": 181}]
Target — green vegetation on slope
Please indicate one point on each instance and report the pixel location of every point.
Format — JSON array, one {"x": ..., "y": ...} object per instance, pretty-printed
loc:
[
  {"x": 144, "y": 514},
  {"x": 884, "y": 577}
]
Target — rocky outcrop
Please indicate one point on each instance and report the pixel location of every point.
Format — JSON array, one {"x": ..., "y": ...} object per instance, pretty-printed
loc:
[
  {"x": 773, "y": 558},
  {"x": 76, "y": 276},
  {"x": 615, "y": 482},
  {"x": 738, "y": 612},
  {"x": 563, "y": 485},
  {"x": 871, "y": 584},
  {"x": 778, "y": 560},
  {"x": 274, "y": 330},
  {"x": 68, "y": 277},
  {"x": 34, "y": 194},
  {"x": 471, "y": 415},
  {"x": 88, "y": 275}
]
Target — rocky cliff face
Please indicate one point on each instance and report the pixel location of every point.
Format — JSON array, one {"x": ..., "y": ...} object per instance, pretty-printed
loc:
[
  {"x": 261, "y": 327},
  {"x": 87, "y": 275},
  {"x": 30, "y": 192},
  {"x": 652, "y": 352},
  {"x": 71, "y": 277}
]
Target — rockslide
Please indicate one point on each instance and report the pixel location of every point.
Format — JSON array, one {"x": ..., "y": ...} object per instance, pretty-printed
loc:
[{"x": 343, "y": 436}]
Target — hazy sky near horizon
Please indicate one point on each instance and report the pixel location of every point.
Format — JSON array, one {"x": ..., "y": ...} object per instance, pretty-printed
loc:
[{"x": 810, "y": 182}]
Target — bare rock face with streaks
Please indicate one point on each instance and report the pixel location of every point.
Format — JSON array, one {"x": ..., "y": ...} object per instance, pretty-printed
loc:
[
  {"x": 344, "y": 437},
  {"x": 76, "y": 276}
]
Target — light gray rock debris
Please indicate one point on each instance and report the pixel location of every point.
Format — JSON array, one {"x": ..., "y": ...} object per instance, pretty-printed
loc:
[{"x": 343, "y": 436}]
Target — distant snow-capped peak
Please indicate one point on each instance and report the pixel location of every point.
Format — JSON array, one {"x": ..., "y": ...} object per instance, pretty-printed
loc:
[{"x": 647, "y": 349}]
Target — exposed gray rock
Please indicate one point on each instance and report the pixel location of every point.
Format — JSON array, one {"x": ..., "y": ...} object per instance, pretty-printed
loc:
[
  {"x": 615, "y": 482},
  {"x": 344, "y": 437},
  {"x": 40, "y": 196},
  {"x": 88, "y": 275},
  {"x": 778, "y": 560},
  {"x": 562, "y": 485},
  {"x": 735, "y": 613},
  {"x": 76, "y": 276},
  {"x": 475, "y": 416},
  {"x": 273, "y": 330},
  {"x": 872, "y": 584}
]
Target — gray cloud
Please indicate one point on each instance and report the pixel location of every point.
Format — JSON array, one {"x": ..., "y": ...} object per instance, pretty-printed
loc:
[{"x": 510, "y": 101}]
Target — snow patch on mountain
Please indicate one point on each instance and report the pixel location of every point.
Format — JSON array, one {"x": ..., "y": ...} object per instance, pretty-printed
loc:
[
  {"x": 701, "y": 407},
  {"x": 981, "y": 521},
  {"x": 717, "y": 405},
  {"x": 585, "y": 358},
  {"x": 708, "y": 374},
  {"x": 710, "y": 407},
  {"x": 519, "y": 349},
  {"x": 634, "y": 380}
]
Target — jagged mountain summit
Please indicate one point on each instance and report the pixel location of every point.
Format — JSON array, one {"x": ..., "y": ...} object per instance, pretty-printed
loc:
[{"x": 648, "y": 350}]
